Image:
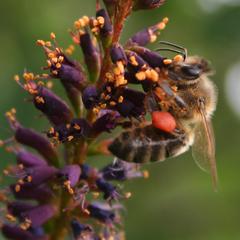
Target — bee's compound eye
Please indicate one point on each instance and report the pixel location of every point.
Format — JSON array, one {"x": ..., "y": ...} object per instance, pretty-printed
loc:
[
  {"x": 191, "y": 72},
  {"x": 163, "y": 121}
]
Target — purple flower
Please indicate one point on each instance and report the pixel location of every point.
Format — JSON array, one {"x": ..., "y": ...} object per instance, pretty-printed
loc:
[
  {"x": 81, "y": 230},
  {"x": 16, "y": 208},
  {"x": 118, "y": 54},
  {"x": 40, "y": 174},
  {"x": 90, "y": 97},
  {"x": 29, "y": 159},
  {"x": 154, "y": 59},
  {"x": 37, "y": 141},
  {"x": 91, "y": 56},
  {"x": 147, "y": 4},
  {"x": 70, "y": 173},
  {"x": 39, "y": 215},
  {"x": 106, "y": 121},
  {"x": 107, "y": 28},
  {"x": 40, "y": 193},
  {"x": 109, "y": 191},
  {"x": 100, "y": 213},
  {"x": 55, "y": 109},
  {"x": 16, "y": 233}
]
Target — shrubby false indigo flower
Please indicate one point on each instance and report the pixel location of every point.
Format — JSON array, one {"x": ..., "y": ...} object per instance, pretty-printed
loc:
[{"x": 55, "y": 191}]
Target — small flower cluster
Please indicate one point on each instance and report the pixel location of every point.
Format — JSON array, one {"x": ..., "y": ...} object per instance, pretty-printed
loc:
[{"x": 57, "y": 194}]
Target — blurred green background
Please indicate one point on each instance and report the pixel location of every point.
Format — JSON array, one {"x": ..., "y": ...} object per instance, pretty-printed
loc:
[{"x": 177, "y": 202}]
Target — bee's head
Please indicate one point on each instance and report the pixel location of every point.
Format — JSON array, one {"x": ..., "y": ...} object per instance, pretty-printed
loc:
[{"x": 188, "y": 71}]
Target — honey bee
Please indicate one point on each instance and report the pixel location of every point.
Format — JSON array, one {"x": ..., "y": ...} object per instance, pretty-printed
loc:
[{"x": 185, "y": 91}]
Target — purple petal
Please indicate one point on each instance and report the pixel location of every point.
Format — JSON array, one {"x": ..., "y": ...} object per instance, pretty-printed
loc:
[
  {"x": 55, "y": 109},
  {"x": 90, "y": 97},
  {"x": 16, "y": 233},
  {"x": 39, "y": 215},
  {"x": 17, "y": 207},
  {"x": 71, "y": 173},
  {"x": 41, "y": 193},
  {"x": 37, "y": 141},
  {"x": 29, "y": 159}
]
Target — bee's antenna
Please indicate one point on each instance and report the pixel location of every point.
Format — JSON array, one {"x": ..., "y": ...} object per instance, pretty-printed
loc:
[
  {"x": 176, "y": 46},
  {"x": 171, "y": 50}
]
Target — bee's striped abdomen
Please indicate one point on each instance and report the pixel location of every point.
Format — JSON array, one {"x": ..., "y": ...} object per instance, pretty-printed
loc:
[{"x": 148, "y": 144}]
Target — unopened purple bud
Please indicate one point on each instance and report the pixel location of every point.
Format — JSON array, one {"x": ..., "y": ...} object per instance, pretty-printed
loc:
[
  {"x": 106, "y": 30},
  {"x": 17, "y": 207},
  {"x": 77, "y": 128},
  {"x": 152, "y": 58},
  {"x": 88, "y": 172},
  {"x": 16, "y": 233},
  {"x": 135, "y": 62},
  {"x": 90, "y": 97},
  {"x": 39, "y": 215},
  {"x": 80, "y": 229},
  {"x": 91, "y": 56},
  {"x": 133, "y": 103},
  {"x": 108, "y": 189},
  {"x": 37, "y": 141},
  {"x": 70, "y": 173},
  {"x": 107, "y": 122},
  {"x": 101, "y": 214},
  {"x": 29, "y": 159},
  {"x": 40, "y": 174},
  {"x": 147, "y": 4},
  {"x": 41, "y": 193},
  {"x": 55, "y": 109},
  {"x": 118, "y": 54},
  {"x": 72, "y": 75},
  {"x": 107, "y": 27}
]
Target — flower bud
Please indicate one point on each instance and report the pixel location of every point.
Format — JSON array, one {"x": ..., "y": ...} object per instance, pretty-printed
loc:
[
  {"x": 147, "y": 4},
  {"x": 41, "y": 193},
  {"x": 37, "y": 141},
  {"x": 29, "y": 159},
  {"x": 55, "y": 109},
  {"x": 91, "y": 56},
  {"x": 70, "y": 173},
  {"x": 118, "y": 54},
  {"x": 106, "y": 31},
  {"x": 39, "y": 215},
  {"x": 90, "y": 97}
]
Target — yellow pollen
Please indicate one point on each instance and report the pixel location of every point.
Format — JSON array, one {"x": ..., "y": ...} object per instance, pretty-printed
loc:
[
  {"x": 133, "y": 61},
  {"x": 120, "y": 66},
  {"x": 70, "y": 138},
  {"x": 76, "y": 126},
  {"x": 61, "y": 59},
  {"x": 128, "y": 195},
  {"x": 165, "y": 20},
  {"x": 40, "y": 43},
  {"x": 52, "y": 35},
  {"x": 48, "y": 44},
  {"x": 20, "y": 181},
  {"x": 140, "y": 75},
  {"x": 120, "y": 99},
  {"x": 103, "y": 106},
  {"x": 96, "y": 110},
  {"x": 112, "y": 103},
  {"x": 152, "y": 75},
  {"x": 16, "y": 78},
  {"x": 29, "y": 179},
  {"x": 17, "y": 188},
  {"x": 161, "y": 25},
  {"x": 178, "y": 58},
  {"x": 55, "y": 72},
  {"x": 68, "y": 126},
  {"x": 39, "y": 100},
  {"x": 167, "y": 61},
  {"x": 10, "y": 217},
  {"x": 58, "y": 65},
  {"x": 145, "y": 174},
  {"x": 116, "y": 71},
  {"x": 100, "y": 20},
  {"x": 49, "y": 84}
]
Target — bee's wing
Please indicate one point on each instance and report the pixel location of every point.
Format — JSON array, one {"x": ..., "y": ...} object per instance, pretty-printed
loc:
[{"x": 203, "y": 149}]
